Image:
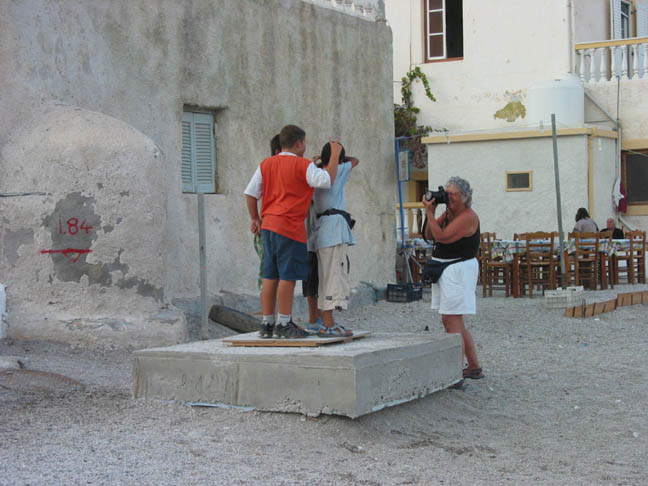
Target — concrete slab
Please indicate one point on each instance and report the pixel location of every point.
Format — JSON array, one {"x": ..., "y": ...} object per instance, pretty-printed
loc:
[{"x": 350, "y": 379}]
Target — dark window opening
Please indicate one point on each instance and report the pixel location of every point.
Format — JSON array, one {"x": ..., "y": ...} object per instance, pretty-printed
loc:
[
  {"x": 454, "y": 28},
  {"x": 635, "y": 177}
]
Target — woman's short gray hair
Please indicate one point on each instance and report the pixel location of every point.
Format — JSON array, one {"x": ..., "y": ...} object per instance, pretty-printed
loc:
[{"x": 464, "y": 189}]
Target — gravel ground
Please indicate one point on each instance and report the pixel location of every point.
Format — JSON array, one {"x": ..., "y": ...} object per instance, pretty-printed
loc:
[{"x": 563, "y": 402}]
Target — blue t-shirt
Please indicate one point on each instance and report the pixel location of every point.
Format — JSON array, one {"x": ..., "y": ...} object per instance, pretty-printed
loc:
[{"x": 332, "y": 230}]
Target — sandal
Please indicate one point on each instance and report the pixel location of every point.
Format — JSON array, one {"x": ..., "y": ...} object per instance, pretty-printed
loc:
[
  {"x": 473, "y": 374},
  {"x": 336, "y": 331}
]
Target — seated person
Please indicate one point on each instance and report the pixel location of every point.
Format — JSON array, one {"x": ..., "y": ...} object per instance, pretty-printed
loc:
[
  {"x": 584, "y": 224},
  {"x": 617, "y": 233}
]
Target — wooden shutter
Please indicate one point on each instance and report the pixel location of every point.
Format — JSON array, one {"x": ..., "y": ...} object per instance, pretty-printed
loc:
[
  {"x": 615, "y": 19},
  {"x": 186, "y": 171},
  {"x": 204, "y": 153}
]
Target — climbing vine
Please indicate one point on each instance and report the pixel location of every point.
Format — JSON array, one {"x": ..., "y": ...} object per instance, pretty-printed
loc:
[{"x": 405, "y": 117}]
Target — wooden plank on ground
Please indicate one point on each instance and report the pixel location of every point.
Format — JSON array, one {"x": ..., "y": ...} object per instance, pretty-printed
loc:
[
  {"x": 636, "y": 298},
  {"x": 569, "y": 312},
  {"x": 624, "y": 299},
  {"x": 644, "y": 297},
  {"x": 610, "y": 305},
  {"x": 599, "y": 308},
  {"x": 589, "y": 310},
  {"x": 579, "y": 311},
  {"x": 252, "y": 339}
]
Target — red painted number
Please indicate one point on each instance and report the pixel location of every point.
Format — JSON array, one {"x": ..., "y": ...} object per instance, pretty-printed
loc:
[{"x": 73, "y": 226}]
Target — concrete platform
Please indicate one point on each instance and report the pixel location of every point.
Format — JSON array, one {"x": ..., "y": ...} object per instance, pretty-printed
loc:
[{"x": 350, "y": 379}]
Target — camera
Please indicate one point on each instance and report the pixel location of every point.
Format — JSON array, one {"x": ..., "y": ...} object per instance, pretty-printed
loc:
[{"x": 440, "y": 196}]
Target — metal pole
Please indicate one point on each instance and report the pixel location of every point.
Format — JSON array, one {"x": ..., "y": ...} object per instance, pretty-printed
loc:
[
  {"x": 563, "y": 268},
  {"x": 400, "y": 194},
  {"x": 204, "y": 326}
]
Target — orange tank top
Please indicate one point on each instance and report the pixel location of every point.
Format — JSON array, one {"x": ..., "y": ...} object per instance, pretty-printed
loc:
[{"x": 286, "y": 196}]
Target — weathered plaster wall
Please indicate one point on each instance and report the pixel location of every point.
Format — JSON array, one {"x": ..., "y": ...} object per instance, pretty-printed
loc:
[
  {"x": 508, "y": 48},
  {"x": 591, "y": 20},
  {"x": 604, "y": 174},
  {"x": 257, "y": 64},
  {"x": 484, "y": 165}
]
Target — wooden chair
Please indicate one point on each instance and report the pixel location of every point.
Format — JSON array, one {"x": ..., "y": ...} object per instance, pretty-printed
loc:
[
  {"x": 611, "y": 259},
  {"x": 634, "y": 258},
  {"x": 584, "y": 261},
  {"x": 539, "y": 266},
  {"x": 496, "y": 274}
]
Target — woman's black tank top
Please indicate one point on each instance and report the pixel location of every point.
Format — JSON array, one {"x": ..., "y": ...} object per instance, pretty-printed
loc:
[{"x": 467, "y": 247}]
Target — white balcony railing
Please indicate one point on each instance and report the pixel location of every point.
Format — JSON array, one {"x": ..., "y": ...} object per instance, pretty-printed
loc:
[
  {"x": 606, "y": 61},
  {"x": 413, "y": 216},
  {"x": 373, "y": 10}
]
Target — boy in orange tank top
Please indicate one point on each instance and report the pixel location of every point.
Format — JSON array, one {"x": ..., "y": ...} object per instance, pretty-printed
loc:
[{"x": 285, "y": 182}]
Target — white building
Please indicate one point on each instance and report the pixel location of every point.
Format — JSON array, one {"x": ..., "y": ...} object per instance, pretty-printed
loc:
[{"x": 498, "y": 70}]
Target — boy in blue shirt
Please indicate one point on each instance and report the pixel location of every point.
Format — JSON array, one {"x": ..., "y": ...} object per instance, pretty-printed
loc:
[{"x": 332, "y": 237}]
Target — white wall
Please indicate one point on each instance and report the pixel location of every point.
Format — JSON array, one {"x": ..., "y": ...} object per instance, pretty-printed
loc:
[
  {"x": 591, "y": 20},
  {"x": 509, "y": 46},
  {"x": 484, "y": 165}
]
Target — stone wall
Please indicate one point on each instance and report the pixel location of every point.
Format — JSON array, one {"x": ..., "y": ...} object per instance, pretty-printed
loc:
[{"x": 92, "y": 95}]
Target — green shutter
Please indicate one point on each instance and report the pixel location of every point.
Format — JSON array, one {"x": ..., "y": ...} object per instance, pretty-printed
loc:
[
  {"x": 186, "y": 171},
  {"x": 204, "y": 152},
  {"x": 198, "y": 169}
]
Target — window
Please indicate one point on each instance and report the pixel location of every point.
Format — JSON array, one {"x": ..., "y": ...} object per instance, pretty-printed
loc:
[
  {"x": 198, "y": 168},
  {"x": 443, "y": 29},
  {"x": 519, "y": 181},
  {"x": 625, "y": 20},
  {"x": 634, "y": 166},
  {"x": 620, "y": 20}
]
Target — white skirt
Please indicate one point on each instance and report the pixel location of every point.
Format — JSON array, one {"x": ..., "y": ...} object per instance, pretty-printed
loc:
[{"x": 454, "y": 293}]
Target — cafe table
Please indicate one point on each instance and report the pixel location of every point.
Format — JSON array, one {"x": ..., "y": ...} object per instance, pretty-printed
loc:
[{"x": 510, "y": 251}]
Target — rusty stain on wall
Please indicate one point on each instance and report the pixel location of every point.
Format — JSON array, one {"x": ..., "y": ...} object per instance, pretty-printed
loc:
[{"x": 511, "y": 112}]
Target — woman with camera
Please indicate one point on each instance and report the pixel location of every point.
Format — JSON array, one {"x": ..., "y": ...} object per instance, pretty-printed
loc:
[{"x": 456, "y": 237}]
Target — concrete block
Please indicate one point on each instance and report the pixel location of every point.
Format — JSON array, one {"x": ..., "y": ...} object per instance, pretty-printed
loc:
[{"x": 350, "y": 379}]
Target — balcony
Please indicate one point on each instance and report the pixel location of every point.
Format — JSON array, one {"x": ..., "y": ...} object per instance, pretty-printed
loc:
[
  {"x": 606, "y": 61},
  {"x": 372, "y": 10},
  {"x": 413, "y": 214}
]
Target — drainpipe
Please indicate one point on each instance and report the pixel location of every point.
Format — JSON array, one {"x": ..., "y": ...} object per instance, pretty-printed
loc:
[{"x": 570, "y": 35}]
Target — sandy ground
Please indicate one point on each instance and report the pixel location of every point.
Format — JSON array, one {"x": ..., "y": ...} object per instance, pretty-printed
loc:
[{"x": 564, "y": 402}]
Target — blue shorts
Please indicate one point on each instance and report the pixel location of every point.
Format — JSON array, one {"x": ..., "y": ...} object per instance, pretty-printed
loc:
[{"x": 283, "y": 258}]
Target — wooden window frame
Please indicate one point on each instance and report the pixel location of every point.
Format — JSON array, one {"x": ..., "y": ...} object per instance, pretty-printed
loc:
[
  {"x": 519, "y": 189},
  {"x": 426, "y": 35}
]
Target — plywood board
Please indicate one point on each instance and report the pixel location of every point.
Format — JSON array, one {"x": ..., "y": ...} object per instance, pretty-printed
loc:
[
  {"x": 253, "y": 339},
  {"x": 644, "y": 297},
  {"x": 624, "y": 299},
  {"x": 599, "y": 308},
  {"x": 610, "y": 305},
  {"x": 569, "y": 312},
  {"x": 589, "y": 310},
  {"x": 636, "y": 298}
]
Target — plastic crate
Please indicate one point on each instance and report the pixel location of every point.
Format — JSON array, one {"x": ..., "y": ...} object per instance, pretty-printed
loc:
[
  {"x": 404, "y": 292},
  {"x": 561, "y": 298}
]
